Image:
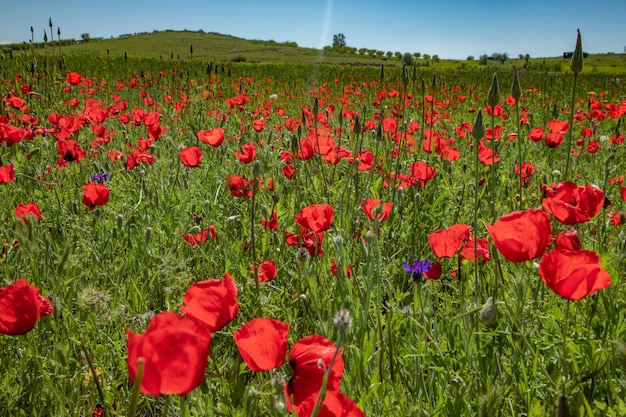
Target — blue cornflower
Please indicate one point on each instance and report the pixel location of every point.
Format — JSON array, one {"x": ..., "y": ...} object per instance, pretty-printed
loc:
[
  {"x": 418, "y": 268},
  {"x": 100, "y": 177}
]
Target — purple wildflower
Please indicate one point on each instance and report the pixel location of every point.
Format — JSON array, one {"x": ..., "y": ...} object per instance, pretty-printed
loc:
[{"x": 418, "y": 268}]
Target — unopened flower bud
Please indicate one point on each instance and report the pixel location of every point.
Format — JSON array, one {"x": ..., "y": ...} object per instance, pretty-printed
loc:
[
  {"x": 148, "y": 234},
  {"x": 576, "y": 64},
  {"x": 478, "y": 130},
  {"x": 516, "y": 89},
  {"x": 493, "y": 97}
]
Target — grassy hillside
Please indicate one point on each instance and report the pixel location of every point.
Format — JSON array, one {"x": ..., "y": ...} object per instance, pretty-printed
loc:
[{"x": 219, "y": 47}]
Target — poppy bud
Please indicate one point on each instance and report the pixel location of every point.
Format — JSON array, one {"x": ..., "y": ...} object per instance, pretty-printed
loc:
[
  {"x": 119, "y": 219},
  {"x": 488, "y": 313},
  {"x": 494, "y": 92},
  {"x": 478, "y": 130},
  {"x": 357, "y": 125},
  {"x": 576, "y": 64},
  {"x": 148, "y": 234},
  {"x": 516, "y": 89},
  {"x": 256, "y": 169}
]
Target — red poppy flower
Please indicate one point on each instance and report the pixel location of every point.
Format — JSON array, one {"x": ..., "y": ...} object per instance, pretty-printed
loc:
[
  {"x": 434, "y": 272},
  {"x": 7, "y": 174},
  {"x": 312, "y": 241},
  {"x": 191, "y": 156},
  {"x": 421, "y": 173},
  {"x": 267, "y": 270},
  {"x": 262, "y": 343},
  {"x": 259, "y": 125},
  {"x": 366, "y": 160},
  {"x": 69, "y": 151},
  {"x": 522, "y": 235},
  {"x": 568, "y": 240},
  {"x": 22, "y": 211},
  {"x": 486, "y": 155},
  {"x": 336, "y": 404},
  {"x": 571, "y": 204},
  {"x": 272, "y": 223},
  {"x": 213, "y": 137},
  {"x": 247, "y": 153},
  {"x": 557, "y": 129},
  {"x": 175, "y": 351},
  {"x": 573, "y": 274},
  {"x": 316, "y": 217},
  {"x": 525, "y": 171},
  {"x": 239, "y": 186},
  {"x": 383, "y": 209},
  {"x": 447, "y": 242},
  {"x": 482, "y": 250},
  {"x": 622, "y": 192},
  {"x": 213, "y": 302},
  {"x": 203, "y": 236},
  {"x": 536, "y": 134},
  {"x": 95, "y": 194},
  {"x": 305, "y": 358},
  {"x": 138, "y": 156},
  {"x": 74, "y": 78},
  {"x": 347, "y": 272},
  {"x": 21, "y": 306}
]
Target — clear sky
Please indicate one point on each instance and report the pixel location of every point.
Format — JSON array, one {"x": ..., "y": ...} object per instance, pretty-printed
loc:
[{"x": 450, "y": 29}]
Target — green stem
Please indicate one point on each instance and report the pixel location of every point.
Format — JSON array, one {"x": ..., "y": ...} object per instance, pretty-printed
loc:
[
  {"x": 132, "y": 407},
  {"x": 95, "y": 376},
  {"x": 571, "y": 128}
]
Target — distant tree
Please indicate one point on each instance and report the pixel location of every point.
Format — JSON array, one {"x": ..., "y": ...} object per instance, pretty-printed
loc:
[
  {"x": 435, "y": 58},
  {"x": 372, "y": 52},
  {"x": 398, "y": 55},
  {"x": 380, "y": 54},
  {"x": 407, "y": 59},
  {"x": 470, "y": 57},
  {"x": 389, "y": 54},
  {"x": 339, "y": 40},
  {"x": 85, "y": 37},
  {"x": 417, "y": 55},
  {"x": 426, "y": 57},
  {"x": 482, "y": 60},
  {"x": 520, "y": 56},
  {"x": 362, "y": 51}
]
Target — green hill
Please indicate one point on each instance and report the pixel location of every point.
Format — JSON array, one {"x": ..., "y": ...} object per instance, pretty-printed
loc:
[{"x": 212, "y": 46}]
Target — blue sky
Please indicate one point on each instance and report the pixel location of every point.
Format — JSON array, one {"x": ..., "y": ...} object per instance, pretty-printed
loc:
[{"x": 450, "y": 29}]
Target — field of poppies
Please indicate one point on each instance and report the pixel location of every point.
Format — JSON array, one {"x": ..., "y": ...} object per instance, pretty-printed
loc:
[{"x": 212, "y": 239}]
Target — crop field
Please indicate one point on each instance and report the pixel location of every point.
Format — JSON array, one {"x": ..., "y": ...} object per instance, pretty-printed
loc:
[{"x": 203, "y": 238}]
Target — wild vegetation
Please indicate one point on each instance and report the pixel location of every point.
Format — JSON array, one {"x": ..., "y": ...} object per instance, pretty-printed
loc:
[{"x": 206, "y": 237}]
